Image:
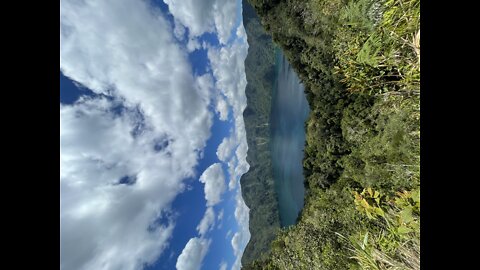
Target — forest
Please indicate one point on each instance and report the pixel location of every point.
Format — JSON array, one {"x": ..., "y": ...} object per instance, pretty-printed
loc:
[
  {"x": 257, "y": 184},
  {"x": 360, "y": 63}
]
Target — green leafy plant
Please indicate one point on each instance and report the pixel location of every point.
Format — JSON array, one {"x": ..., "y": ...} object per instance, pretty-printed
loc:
[{"x": 359, "y": 62}]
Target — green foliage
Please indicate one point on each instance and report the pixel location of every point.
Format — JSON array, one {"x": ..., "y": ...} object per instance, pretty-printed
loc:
[
  {"x": 384, "y": 139},
  {"x": 396, "y": 246},
  {"x": 378, "y": 51},
  {"x": 368, "y": 202},
  {"x": 359, "y": 62},
  {"x": 356, "y": 15},
  {"x": 257, "y": 184}
]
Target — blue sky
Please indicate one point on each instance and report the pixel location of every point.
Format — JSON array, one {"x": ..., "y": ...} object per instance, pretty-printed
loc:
[{"x": 150, "y": 109}]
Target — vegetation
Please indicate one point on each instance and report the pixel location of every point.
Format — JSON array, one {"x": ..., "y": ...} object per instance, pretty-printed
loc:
[
  {"x": 257, "y": 184},
  {"x": 360, "y": 63}
]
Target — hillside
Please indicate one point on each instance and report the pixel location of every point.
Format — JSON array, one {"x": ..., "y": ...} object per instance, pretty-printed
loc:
[
  {"x": 258, "y": 189},
  {"x": 360, "y": 63}
]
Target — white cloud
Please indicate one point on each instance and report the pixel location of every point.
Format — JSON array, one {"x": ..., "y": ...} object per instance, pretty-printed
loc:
[
  {"x": 214, "y": 181},
  {"x": 241, "y": 151},
  {"x": 225, "y": 148},
  {"x": 201, "y": 16},
  {"x": 194, "y": 14},
  {"x": 104, "y": 224},
  {"x": 205, "y": 86},
  {"x": 224, "y": 16},
  {"x": 223, "y": 266},
  {"x": 241, "y": 33},
  {"x": 220, "y": 219},
  {"x": 126, "y": 50},
  {"x": 236, "y": 243},
  {"x": 241, "y": 211},
  {"x": 231, "y": 171},
  {"x": 192, "y": 255},
  {"x": 220, "y": 215},
  {"x": 229, "y": 71},
  {"x": 222, "y": 108},
  {"x": 129, "y": 51},
  {"x": 193, "y": 44},
  {"x": 228, "y": 66},
  {"x": 207, "y": 222},
  {"x": 241, "y": 237},
  {"x": 179, "y": 31}
]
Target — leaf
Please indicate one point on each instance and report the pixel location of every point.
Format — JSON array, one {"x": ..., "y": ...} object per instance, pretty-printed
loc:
[
  {"x": 404, "y": 230},
  {"x": 415, "y": 196},
  {"x": 379, "y": 212},
  {"x": 364, "y": 203},
  {"x": 406, "y": 215},
  {"x": 415, "y": 226},
  {"x": 365, "y": 241}
]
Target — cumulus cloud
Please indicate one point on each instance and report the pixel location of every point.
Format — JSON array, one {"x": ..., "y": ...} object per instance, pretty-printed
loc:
[
  {"x": 237, "y": 164},
  {"x": 205, "y": 86},
  {"x": 125, "y": 152},
  {"x": 241, "y": 33},
  {"x": 179, "y": 31},
  {"x": 124, "y": 48},
  {"x": 225, "y": 148},
  {"x": 220, "y": 219},
  {"x": 231, "y": 172},
  {"x": 123, "y": 158},
  {"x": 228, "y": 69},
  {"x": 222, "y": 108},
  {"x": 223, "y": 266},
  {"x": 214, "y": 181},
  {"x": 207, "y": 222},
  {"x": 241, "y": 237},
  {"x": 107, "y": 223},
  {"x": 201, "y": 16},
  {"x": 225, "y": 153},
  {"x": 192, "y": 255},
  {"x": 224, "y": 16},
  {"x": 236, "y": 243},
  {"x": 241, "y": 151},
  {"x": 193, "y": 44}
]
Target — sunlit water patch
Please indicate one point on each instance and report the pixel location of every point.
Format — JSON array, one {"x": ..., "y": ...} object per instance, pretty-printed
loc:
[{"x": 290, "y": 110}]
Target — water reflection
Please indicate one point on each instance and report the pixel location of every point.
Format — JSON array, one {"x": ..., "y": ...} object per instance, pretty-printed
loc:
[{"x": 289, "y": 111}]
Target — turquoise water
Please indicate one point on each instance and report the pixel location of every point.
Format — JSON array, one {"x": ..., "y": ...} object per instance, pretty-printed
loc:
[{"x": 290, "y": 110}]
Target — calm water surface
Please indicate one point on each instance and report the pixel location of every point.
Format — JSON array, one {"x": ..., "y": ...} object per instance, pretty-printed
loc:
[{"x": 290, "y": 110}]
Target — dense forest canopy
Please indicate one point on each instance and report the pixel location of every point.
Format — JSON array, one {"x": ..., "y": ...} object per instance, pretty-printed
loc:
[
  {"x": 360, "y": 63},
  {"x": 257, "y": 184}
]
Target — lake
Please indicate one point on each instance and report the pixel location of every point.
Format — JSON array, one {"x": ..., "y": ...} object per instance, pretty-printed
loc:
[{"x": 289, "y": 112}]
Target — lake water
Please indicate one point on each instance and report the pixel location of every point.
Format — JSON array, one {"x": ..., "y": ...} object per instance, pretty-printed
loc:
[{"x": 290, "y": 110}]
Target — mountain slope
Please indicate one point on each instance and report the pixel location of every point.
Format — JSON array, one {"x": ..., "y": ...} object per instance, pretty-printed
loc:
[
  {"x": 257, "y": 184},
  {"x": 360, "y": 63}
]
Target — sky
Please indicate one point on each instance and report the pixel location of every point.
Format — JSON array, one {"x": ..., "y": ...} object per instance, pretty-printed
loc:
[{"x": 152, "y": 138}]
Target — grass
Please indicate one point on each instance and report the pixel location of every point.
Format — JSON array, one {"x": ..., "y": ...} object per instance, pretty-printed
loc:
[{"x": 360, "y": 63}]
